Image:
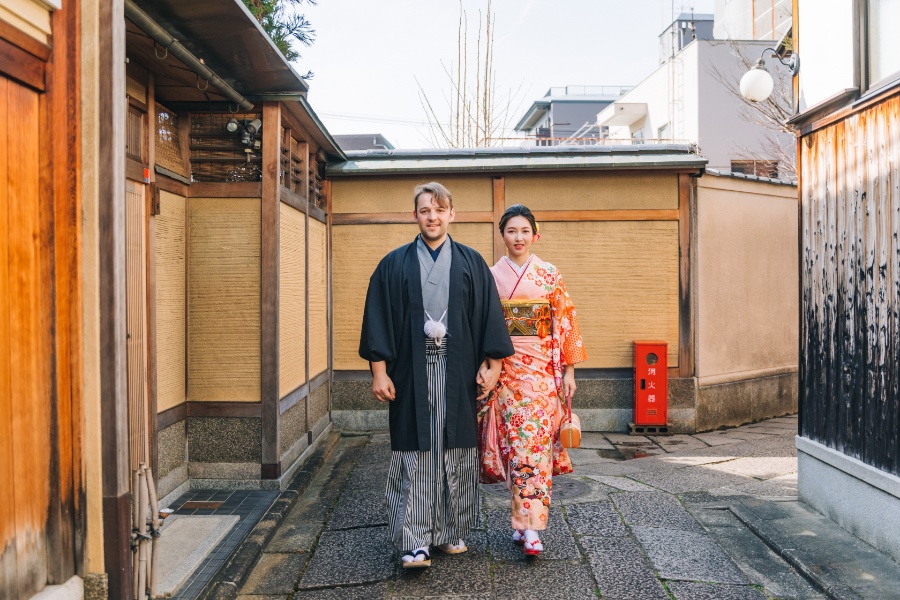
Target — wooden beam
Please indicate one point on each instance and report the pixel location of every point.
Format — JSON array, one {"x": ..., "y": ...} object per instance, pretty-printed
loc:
[
  {"x": 608, "y": 215},
  {"x": 238, "y": 189},
  {"x": 686, "y": 246},
  {"x": 405, "y": 218},
  {"x": 329, "y": 295},
  {"x": 19, "y": 38},
  {"x": 173, "y": 186},
  {"x": 22, "y": 66},
  {"x": 499, "y": 206},
  {"x": 170, "y": 416},
  {"x": 269, "y": 259}
]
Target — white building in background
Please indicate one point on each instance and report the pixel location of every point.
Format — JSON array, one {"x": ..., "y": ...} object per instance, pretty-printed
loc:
[{"x": 693, "y": 97}]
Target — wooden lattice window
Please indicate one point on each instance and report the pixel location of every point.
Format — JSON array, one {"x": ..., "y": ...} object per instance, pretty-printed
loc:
[
  {"x": 168, "y": 144},
  {"x": 316, "y": 177},
  {"x": 218, "y": 155},
  {"x": 134, "y": 134},
  {"x": 293, "y": 155}
]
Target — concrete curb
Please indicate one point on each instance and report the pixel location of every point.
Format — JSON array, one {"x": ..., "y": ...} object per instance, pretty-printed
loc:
[
  {"x": 816, "y": 575},
  {"x": 225, "y": 585}
]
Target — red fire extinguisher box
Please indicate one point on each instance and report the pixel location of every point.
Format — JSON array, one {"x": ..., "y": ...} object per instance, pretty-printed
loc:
[{"x": 651, "y": 383}]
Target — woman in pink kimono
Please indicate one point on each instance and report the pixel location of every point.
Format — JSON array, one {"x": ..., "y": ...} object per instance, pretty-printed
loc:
[{"x": 536, "y": 380}]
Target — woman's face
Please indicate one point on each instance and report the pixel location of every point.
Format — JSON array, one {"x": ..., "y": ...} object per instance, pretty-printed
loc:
[{"x": 518, "y": 236}]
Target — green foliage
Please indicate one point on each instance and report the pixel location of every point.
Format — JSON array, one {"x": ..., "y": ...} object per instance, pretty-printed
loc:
[{"x": 284, "y": 24}]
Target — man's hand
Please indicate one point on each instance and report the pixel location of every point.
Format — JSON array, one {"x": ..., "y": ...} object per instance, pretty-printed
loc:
[
  {"x": 382, "y": 386},
  {"x": 488, "y": 376}
]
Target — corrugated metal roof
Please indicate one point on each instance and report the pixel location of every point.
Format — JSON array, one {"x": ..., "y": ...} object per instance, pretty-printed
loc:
[{"x": 372, "y": 162}]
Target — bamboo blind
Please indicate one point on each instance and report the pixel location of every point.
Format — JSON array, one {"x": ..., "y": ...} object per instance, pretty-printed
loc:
[
  {"x": 318, "y": 298},
  {"x": 170, "y": 301},
  {"x": 291, "y": 301},
  {"x": 224, "y": 299},
  {"x": 219, "y": 156},
  {"x": 623, "y": 280},
  {"x": 136, "y": 324},
  {"x": 592, "y": 191}
]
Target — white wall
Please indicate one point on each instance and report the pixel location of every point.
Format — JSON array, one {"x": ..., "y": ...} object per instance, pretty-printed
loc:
[
  {"x": 705, "y": 112},
  {"x": 733, "y": 20},
  {"x": 825, "y": 32}
]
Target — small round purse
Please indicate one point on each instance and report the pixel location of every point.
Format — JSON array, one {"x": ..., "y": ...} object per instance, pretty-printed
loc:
[{"x": 570, "y": 428}]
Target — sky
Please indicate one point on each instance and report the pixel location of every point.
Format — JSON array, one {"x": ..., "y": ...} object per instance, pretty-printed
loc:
[{"x": 370, "y": 57}]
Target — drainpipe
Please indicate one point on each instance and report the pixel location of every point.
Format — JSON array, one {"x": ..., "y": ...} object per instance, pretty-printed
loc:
[{"x": 162, "y": 37}]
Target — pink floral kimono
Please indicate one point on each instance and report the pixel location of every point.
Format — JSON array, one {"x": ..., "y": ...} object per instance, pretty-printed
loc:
[{"x": 544, "y": 331}]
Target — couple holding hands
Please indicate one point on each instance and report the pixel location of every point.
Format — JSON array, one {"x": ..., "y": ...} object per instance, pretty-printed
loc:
[{"x": 442, "y": 333}]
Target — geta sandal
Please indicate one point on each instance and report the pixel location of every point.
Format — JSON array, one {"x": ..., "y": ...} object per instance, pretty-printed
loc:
[
  {"x": 530, "y": 548},
  {"x": 453, "y": 548},
  {"x": 411, "y": 560}
]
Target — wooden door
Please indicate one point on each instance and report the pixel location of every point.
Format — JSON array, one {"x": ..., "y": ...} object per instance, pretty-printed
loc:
[
  {"x": 136, "y": 322},
  {"x": 25, "y": 394}
]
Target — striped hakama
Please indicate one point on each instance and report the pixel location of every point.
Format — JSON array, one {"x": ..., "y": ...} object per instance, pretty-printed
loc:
[{"x": 432, "y": 496}]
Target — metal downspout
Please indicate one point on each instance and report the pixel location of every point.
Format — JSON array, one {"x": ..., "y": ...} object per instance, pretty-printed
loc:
[{"x": 162, "y": 37}]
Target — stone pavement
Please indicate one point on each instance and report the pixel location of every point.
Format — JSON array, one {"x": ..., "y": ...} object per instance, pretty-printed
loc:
[{"x": 707, "y": 516}]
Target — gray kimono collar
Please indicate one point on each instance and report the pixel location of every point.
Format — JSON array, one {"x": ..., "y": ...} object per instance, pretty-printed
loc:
[{"x": 435, "y": 278}]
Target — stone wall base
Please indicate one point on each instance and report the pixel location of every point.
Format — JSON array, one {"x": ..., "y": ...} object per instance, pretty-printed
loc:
[{"x": 862, "y": 499}]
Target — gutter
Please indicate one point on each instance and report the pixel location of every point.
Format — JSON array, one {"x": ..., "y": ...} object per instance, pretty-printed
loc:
[{"x": 162, "y": 37}]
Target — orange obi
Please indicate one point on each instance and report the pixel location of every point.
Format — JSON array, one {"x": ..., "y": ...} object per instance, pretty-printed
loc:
[{"x": 527, "y": 317}]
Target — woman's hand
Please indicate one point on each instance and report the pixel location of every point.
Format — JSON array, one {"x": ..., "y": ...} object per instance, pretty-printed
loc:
[
  {"x": 568, "y": 381},
  {"x": 488, "y": 376},
  {"x": 382, "y": 386}
]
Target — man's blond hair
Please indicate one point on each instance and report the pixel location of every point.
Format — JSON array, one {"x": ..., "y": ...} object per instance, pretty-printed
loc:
[{"x": 441, "y": 195}]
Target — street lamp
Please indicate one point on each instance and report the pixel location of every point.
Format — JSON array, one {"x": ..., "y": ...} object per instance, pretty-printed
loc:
[{"x": 757, "y": 83}]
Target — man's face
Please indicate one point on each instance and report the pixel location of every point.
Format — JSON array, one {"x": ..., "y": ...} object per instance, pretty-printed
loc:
[{"x": 433, "y": 219}]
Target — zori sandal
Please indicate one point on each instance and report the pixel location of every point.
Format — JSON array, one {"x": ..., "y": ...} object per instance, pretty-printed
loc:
[
  {"x": 416, "y": 559},
  {"x": 533, "y": 548},
  {"x": 519, "y": 536},
  {"x": 453, "y": 548}
]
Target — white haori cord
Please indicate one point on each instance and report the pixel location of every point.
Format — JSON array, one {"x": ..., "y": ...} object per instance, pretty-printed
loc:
[{"x": 436, "y": 330}]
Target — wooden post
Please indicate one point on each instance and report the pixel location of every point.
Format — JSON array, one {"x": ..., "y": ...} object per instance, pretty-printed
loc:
[
  {"x": 269, "y": 257},
  {"x": 113, "y": 384},
  {"x": 499, "y": 206},
  {"x": 686, "y": 209}
]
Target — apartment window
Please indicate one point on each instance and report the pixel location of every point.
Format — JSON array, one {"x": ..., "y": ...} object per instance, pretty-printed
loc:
[
  {"x": 882, "y": 45},
  {"x": 664, "y": 133},
  {"x": 637, "y": 137},
  {"x": 760, "y": 168}
]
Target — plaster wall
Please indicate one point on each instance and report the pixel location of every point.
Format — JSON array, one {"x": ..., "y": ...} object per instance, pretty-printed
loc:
[
  {"x": 747, "y": 279},
  {"x": 826, "y": 36}
]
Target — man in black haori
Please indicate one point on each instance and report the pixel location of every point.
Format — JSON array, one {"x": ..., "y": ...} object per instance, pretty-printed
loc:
[{"x": 432, "y": 317}]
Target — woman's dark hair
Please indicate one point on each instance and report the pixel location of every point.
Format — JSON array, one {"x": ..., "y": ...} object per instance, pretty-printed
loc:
[{"x": 518, "y": 210}]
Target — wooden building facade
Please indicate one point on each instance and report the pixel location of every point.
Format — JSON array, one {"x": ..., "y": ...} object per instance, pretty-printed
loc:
[{"x": 848, "y": 129}]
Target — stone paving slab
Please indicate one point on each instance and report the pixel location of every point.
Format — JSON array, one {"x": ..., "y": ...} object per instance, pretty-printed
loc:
[
  {"x": 705, "y": 560},
  {"x": 621, "y": 483},
  {"x": 359, "y": 508},
  {"x": 274, "y": 574},
  {"x": 596, "y": 441},
  {"x": 690, "y": 590},
  {"x": 353, "y": 556},
  {"x": 540, "y": 578},
  {"x": 467, "y": 574},
  {"x": 557, "y": 538},
  {"x": 654, "y": 509},
  {"x": 714, "y": 439},
  {"x": 677, "y": 481},
  {"x": 621, "y": 569},
  {"x": 757, "y": 467},
  {"x": 679, "y": 443},
  {"x": 595, "y": 518},
  {"x": 377, "y": 591},
  {"x": 583, "y": 456}
]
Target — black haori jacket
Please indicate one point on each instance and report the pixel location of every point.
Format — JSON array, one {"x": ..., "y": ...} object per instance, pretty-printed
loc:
[{"x": 392, "y": 331}]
